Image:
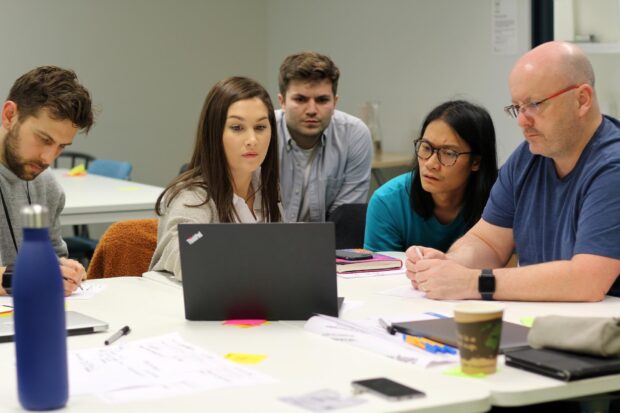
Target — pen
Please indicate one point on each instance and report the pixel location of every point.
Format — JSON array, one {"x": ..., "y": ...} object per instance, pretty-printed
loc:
[
  {"x": 415, "y": 341},
  {"x": 120, "y": 333},
  {"x": 390, "y": 329},
  {"x": 70, "y": 280},
  {"x": 428, "y": 345},
  {"x": 419, "y": 252}
]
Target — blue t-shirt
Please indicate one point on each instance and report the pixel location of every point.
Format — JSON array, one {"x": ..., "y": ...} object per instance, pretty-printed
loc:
[
  {"x": 555, "y": 218},
  {"x": 392, "y": 225}
]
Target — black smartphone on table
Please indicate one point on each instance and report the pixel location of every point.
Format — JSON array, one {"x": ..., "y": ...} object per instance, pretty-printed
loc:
[
  {"x": 351, "y": 255},
  {"x": 386, "y": 388}
]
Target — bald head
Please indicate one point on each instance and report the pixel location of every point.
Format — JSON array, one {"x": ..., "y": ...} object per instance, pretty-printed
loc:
[{"x": 559, "y": 62}]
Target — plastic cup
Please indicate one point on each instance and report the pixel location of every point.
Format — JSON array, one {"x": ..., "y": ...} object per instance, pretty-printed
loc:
[{"x": 479, "y": 331}]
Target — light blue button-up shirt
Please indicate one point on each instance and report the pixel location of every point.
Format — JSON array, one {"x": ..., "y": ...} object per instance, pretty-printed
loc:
[{"x": 340, "y": 171}]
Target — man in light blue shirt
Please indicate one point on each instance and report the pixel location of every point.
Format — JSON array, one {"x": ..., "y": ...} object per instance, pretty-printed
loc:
[{"x": 325, "y": 154}]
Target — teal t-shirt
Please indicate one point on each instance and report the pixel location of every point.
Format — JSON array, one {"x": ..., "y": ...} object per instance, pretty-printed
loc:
[{"x": 392, "y": 225}]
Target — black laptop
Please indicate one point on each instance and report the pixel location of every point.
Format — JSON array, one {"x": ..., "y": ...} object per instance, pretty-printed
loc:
[
  {"x": 562, "y": 365},
  {"x": 272, "y": 271},
  {"x": 443, "y": 330}
]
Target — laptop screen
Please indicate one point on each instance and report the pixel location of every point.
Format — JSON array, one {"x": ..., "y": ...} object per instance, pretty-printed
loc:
[{"x": 273, "y": 271}]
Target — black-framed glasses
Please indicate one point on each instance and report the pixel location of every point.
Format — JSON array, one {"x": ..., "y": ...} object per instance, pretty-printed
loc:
[
  {"x": 533, "y": 107},
  {"x": 447, "y": 157}
]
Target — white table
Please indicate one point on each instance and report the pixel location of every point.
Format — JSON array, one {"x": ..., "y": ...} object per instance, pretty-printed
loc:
[
  {"x": 302, "y": 362},
  {"x": 509, "y": 386},
  {"x": 92, "y": 199}
]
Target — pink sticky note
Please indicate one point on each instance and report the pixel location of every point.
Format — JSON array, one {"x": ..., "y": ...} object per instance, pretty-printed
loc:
[{"x": 244, "y": 323}]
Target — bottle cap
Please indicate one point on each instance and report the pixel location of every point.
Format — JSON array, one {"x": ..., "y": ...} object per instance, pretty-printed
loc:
[{"x": 35, "y": 216}]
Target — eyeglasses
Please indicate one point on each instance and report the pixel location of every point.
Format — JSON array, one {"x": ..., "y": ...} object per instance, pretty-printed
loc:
[
  {"x": 533, "y": 107},
  {"x": 447, "y": 157}
]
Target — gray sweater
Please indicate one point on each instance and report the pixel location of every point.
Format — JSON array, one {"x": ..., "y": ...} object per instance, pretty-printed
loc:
[
  {"x": 166, "y": 257},
  {"x": 44, "y": 190}
]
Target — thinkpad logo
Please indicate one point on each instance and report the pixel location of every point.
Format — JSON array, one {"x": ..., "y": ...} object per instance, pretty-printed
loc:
[{"x": 194, "y": 238}]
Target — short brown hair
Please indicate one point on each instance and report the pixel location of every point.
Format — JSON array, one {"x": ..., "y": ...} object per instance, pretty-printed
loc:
[
  {"x": 310, "y": 67},
  {"x": 55, "y": 89}
]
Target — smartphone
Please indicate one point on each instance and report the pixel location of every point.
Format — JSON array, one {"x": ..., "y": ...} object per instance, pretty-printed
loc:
[
  {"x": 386, "y": 388},
  {"x": 351, "y": 255}
]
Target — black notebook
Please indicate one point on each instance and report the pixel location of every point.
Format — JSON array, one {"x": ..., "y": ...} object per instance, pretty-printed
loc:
[
  {"x": 560, "y": 364},
  {"x": 443, "y": 330}
]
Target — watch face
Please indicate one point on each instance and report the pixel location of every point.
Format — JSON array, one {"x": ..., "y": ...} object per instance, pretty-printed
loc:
[
  {"x": 486, "y": 282},
  {"x": 7, "y": 279}
]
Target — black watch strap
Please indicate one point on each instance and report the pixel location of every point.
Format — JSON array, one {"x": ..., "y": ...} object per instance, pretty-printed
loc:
[
  {"x": 7, "y": 279},
  {"x": 486, "y": 284}
]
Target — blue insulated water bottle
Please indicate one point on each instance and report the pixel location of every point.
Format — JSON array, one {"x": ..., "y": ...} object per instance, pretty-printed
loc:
[{"x": 39, "y": 310}]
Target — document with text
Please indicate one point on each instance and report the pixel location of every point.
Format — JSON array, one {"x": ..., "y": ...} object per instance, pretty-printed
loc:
[{"x": 153, "y": 368}]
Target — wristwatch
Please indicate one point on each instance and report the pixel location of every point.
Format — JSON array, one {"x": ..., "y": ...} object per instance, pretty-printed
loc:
[
  {"x": 7, "y": 279},
  {"x": 486, "y": 284}
]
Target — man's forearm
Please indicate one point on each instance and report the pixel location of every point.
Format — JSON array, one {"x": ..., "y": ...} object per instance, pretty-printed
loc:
[
  {"x": 555, "y": 281},
  {"x": 473, "y": 252}
]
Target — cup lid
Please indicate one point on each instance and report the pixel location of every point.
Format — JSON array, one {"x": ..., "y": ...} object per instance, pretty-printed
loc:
[{"x": 478, "y": 307}]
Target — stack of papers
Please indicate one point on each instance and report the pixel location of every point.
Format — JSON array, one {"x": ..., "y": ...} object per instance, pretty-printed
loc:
[{"x": 368, "y": 334}]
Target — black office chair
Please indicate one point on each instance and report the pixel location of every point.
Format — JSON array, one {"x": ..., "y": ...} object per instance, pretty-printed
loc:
[
  {"x": 70, "y": 159},
  {"x": 350, "y": 223},
  {"x": 75, "y": 244}
]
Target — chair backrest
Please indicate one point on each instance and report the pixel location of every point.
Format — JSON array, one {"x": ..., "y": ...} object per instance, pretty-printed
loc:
[
  {"x": 70, "y": 159},
  {"x": 125, "y": 248},
  {"x": 350, "y": 223},
  {"x": 111, "y": 168},
  {"x": 183, "y": 168}
]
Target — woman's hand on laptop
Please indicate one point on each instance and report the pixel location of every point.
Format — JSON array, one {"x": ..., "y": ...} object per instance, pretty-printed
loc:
[{"x": 73, "y": 274}]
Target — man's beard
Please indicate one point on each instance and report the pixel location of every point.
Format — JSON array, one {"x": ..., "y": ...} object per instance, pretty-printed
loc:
[{"x": 16, "y": 163}]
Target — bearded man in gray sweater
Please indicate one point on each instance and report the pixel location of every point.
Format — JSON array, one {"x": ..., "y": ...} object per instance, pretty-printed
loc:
[{"x": 45, "y": 109}]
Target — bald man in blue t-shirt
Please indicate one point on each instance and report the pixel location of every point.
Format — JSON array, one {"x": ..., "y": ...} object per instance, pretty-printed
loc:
[{"x": 556, "y": 202}]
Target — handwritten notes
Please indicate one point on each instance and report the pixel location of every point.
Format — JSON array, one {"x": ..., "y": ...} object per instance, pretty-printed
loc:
[
  {"x": 152, "y": 368},
  {"x": 89, "y": 290}
]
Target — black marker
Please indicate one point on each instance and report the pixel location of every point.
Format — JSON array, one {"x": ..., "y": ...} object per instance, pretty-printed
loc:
[{"x": 120, "y": 333}]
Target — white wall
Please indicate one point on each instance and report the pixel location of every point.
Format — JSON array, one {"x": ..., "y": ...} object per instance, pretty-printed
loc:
[
  {"x": 148, "y": 64},
  {"x": 408, "y": 54}
]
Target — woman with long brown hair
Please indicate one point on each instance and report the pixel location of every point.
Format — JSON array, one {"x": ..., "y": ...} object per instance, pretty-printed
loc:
[{"x": 233, "y": 174}]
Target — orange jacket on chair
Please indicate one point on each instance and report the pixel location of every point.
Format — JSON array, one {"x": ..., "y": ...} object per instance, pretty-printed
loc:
[{"x": 124, "y": 249}]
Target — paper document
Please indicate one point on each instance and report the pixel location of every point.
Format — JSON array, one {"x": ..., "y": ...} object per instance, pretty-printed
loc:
[
  {"x": 405, "y": 291},
  {"x": 152, "y": 368},
  {"x": 323, "y": 400},
  {"x": 89, "y": 290},
  {"x": 369, "y": 335}
]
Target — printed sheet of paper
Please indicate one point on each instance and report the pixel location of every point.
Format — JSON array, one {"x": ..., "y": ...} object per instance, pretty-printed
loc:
[
  {"x": 152, "y": 368},
  {"x": 369, "y": 334},
  {"x": 323, "y": 400},
  {"x": 405, "y": 291}
]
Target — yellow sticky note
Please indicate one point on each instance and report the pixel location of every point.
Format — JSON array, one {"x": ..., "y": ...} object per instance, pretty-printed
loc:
[
  {"x": 527, "y": 321},
  {"x": 128, "y": 188},
  {"x": 456, "y": 371},
  {"x": 242, "y": 358},
  {"x": 78, "y": 170}
]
